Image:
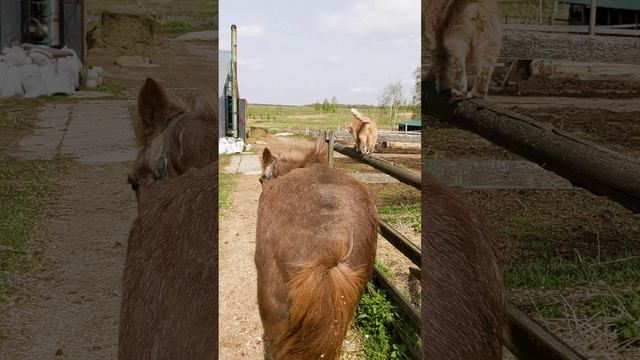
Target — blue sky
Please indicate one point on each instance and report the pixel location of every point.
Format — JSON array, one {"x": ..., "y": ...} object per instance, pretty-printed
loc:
[{"x": 299, "y": 52}]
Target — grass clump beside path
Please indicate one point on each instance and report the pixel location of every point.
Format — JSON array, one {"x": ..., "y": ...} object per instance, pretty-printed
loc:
[
  {"x": 376, "y": 318},
  {"x": 23, "y": 188}
]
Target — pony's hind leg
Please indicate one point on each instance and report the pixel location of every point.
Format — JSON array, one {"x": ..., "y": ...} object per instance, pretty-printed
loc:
[{"x": 486, "y": 52}]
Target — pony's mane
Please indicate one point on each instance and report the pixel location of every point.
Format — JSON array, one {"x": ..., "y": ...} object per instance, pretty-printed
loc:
[{"x": 300, "y": 158}]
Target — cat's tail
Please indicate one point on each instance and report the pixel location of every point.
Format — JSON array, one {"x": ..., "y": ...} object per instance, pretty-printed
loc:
[{"x": 359, "y": 116}]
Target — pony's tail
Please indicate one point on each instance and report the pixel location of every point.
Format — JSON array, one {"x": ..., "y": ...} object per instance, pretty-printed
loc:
[{"x": 324, "y": 293}]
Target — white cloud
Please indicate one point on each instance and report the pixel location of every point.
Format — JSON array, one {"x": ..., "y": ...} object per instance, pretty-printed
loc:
[
  {"x": 365, "y": 17},
  {"x": 249, "y": 63},
  {"x": 409, "y": 41},
  {"x": 362, "y": 89},
  {"x": 333, "y": 59},
  {"x": 250, "y": 30}
]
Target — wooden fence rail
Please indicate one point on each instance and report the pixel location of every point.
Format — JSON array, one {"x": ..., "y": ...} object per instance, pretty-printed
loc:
[
  {"x": 591, "y": 166},
  {"x": 530, "y": 340}
]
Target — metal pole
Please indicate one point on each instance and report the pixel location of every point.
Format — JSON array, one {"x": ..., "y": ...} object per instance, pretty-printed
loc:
[
  {"x": 234, "y": 75},
  {"x": 554, "y": 13},
  {"x": 592, "y": 18}
]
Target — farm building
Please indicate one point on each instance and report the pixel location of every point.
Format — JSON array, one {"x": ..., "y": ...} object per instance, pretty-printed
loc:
[
  {"x": 55, "y": 23},
  {"x": 608, "y": 12},
  {"x": 232, "y": 107},
  {"x": 410, "y": 125}
]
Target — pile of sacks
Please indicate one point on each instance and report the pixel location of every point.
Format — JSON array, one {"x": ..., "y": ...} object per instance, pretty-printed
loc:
[
  {"x": 32, "y": 71},
  {"x": 231, "y": 146}
]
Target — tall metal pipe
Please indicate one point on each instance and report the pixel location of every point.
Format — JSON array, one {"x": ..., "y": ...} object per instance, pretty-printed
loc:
[
  {"x": 234, "y": 74},
  {"x": 592, "y": 17}
]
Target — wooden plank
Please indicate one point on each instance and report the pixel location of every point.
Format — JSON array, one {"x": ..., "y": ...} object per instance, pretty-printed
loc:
[
  {"x": 572, "y": 29},
  {"x": 409, "y": 312},
  {"x": 406, "y": 247},
  {"x": 593, "y": 167},
  {"x": 413, "y": 352},
  {"x": 406, "y": 176},
  {"x": 330, "y": 152},
  {"x": 531, "y": 341},
  {"x": 584, "y": 71}
]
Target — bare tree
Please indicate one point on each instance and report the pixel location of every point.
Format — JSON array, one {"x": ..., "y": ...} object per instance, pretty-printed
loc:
[
  {"x": 392, "y": 100},
  {"x": 417, "y": 92}
]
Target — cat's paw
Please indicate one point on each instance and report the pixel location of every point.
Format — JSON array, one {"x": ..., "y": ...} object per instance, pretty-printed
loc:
[{"x": 475, "y": 94}]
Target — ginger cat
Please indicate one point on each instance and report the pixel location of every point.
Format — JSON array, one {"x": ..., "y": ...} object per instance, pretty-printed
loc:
[
  {"x": 365, "y": 131},
  {"x": 459, "y": 30}
]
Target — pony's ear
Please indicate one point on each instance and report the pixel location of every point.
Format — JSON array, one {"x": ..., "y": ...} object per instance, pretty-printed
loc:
[
  {"x": 267, "y": 158},
  {"x": 153, "y": 106}
]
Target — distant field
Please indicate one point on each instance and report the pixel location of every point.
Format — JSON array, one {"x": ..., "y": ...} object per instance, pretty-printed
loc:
[
  {"x": 527, "y": 11},
  {"x": 280, "y": 117}
]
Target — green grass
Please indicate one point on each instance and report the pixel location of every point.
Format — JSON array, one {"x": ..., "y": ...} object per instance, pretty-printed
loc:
[
  {"x": 113, "y": 89},
  {"x": 23, "y": 187},
  {"x": 376, "y": 317},
  {"x": 226, "y": 184},
  {"x": 27, "y": 108},
  {"x": 558, "y": 273},
  {"x": 622, "y": 311},
  {"x": 526, "y": 11},
  {"x": 281, "y": 117},
  {"x": 406, "y": 214}
]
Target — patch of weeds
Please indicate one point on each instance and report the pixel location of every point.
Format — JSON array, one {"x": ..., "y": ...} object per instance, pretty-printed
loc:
[
  {"x": 559, "y": 273},
  {"x": 377, "y": 318},
  {"x": 18, "y": 113},
  {"x": 406, "y": 214},
  {"x": 113, "y": 89},
  {"x": 623, "y": 310},
  {"x": 23, "y": 187},
  {"x": 226, "y": 183}
]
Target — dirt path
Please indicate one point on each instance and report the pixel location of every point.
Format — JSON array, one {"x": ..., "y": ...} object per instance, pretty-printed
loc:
[
  {"x": 240, "y": 327},
  {"x": 69, "y": 304}
]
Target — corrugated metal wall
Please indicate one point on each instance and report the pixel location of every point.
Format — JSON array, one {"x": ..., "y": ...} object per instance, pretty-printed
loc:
[{"x": 10, "y": 17}]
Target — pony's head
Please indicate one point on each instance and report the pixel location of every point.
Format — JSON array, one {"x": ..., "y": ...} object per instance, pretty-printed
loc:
[
  {"x": 174, "y": 136},
  {"x": 274, "y": 166}
]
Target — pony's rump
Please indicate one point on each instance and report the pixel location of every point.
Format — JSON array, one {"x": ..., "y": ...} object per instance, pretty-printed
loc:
[{"x": 324, "y": 293}]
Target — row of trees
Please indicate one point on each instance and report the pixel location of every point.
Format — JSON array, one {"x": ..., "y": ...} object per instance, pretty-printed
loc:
[
  {"x": 392, "y": 100},
  {"x": 326, "y": 106}
]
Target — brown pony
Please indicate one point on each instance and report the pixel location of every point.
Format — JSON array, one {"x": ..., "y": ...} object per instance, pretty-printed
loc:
[
  {"x": 170, "y": 283},
  {"x": 315, "y": 249},
  {"x": 463, "y": 312},
  {"x": 174, "y": 134}
]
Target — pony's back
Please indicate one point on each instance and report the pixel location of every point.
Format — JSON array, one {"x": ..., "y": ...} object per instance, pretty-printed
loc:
[
  {"x": 464, "y": 313},
  {"x": 315, "y": 249},
  {"x": 170, "y": 281}
]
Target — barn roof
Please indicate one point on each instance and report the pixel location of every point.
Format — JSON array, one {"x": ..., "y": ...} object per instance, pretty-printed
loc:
[
  {"x": 411, "y": 122},
  {"x": 224, "y": 66},
  {"x": 614, "y": 4}
]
